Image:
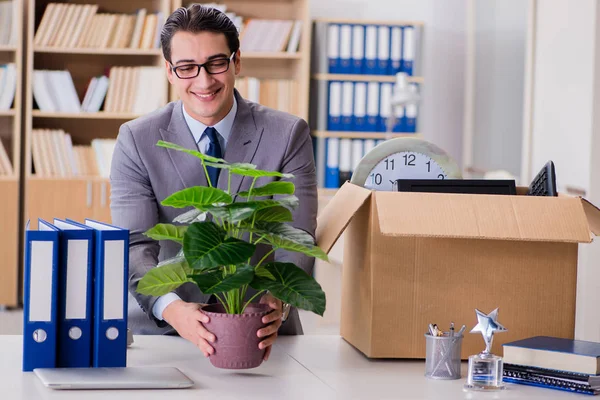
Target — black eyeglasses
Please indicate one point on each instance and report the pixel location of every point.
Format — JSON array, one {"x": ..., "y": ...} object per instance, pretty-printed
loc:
[{"x": 212, "y": 67}]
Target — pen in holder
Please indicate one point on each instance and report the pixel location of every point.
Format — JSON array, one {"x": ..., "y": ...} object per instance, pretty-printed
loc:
[{"x": 442, "y": 358}]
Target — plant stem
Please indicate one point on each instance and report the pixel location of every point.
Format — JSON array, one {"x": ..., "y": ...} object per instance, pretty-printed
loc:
[
  {"x": 206, "y": 173},
  {"x": 251, "y": 298},
  {"x": 221, "y": 300},
  {"x": 263, "y": 259}
]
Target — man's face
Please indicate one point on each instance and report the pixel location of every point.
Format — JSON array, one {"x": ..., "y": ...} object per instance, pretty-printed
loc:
[{"x": 208, "y": 97}]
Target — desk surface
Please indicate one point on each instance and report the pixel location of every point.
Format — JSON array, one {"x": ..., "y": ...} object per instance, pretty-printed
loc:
[{"x": 300, "y": 367}]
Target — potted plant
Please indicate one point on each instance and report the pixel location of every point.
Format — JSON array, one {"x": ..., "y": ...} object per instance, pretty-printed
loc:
[{"x": 216, "y": 255}]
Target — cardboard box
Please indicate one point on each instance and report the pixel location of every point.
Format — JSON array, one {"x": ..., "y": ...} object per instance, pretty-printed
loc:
[{"x": 411, "y": 259}]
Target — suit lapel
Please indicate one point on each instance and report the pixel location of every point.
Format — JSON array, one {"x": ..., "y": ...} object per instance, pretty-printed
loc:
[
  {"x": 242, "y": 143},
  {"x": 188, "y": 167}
]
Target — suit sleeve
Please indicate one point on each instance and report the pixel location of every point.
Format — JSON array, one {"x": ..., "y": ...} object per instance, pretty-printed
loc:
[
  {"x": 134, "y": 207},
  {"x": 299, "y": 161}
]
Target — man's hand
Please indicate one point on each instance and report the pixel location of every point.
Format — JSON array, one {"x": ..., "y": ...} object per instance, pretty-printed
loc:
[
  {"x": 273, "y": 319},
  {"x": 185, "y": 318}
]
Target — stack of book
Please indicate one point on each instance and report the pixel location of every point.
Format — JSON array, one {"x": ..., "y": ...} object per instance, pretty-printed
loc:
[
  {"x": 81, "y": 26},
  {"x": 554, "y": 363}
]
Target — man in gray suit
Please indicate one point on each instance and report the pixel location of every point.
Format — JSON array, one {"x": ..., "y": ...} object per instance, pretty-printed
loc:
[{"x": 201, "y": 49}]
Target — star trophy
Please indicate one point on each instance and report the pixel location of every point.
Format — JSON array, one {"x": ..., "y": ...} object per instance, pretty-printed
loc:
[{"x": 485, "y": 368}]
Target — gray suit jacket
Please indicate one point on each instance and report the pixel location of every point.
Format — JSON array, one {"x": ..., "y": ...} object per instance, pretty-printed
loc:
[{"x": 143, "y": 174}]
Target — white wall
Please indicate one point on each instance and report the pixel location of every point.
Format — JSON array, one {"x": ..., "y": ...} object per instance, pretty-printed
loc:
[
  {"x": 443, "y": 57},
  {"x": 563, "y": 89},
  {"x": 500, "y": 33}
]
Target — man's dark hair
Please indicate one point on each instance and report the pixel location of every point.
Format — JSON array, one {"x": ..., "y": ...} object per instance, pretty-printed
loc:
[{"x": 197, "y": 18}]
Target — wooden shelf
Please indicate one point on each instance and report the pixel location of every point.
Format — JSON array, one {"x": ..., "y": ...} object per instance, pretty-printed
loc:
[
  {"x": 8, "y": 113},
  {"x": 270, "y": 56},
  {"x": 9, "y": 178},
  {"x": 91, "y": 178},
  {"x": 7, "y": 48},
  {"x": 84, "y": 115},
  {"x": 369, "y": 22},
  {"x": 364, "y": 78},
  {"x": 362, "y": 135},
  {"x": 102, "y": 52}
]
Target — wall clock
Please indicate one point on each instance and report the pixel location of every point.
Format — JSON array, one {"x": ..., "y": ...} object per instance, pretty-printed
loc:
[{"x": 403, "y": 158}]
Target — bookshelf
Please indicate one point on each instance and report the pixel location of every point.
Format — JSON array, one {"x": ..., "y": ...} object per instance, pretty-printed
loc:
[
  {"x": 353, "y": 71},
  {"x": 293, "y": 66},
  {"x": 10, "y": 139},
  {"x": 78, "y": 194}
]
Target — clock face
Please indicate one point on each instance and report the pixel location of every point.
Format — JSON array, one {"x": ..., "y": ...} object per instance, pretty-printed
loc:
[
  {"x": 403, "y": 165},
  {"x": 403, "y": 158}
]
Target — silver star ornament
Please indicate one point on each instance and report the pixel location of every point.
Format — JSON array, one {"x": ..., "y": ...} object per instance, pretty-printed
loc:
[{"x": 487, "y": 325}]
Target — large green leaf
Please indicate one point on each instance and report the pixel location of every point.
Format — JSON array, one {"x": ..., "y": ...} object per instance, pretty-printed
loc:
[
  {"x": 200, "y": 197},
  {"x": 205, "y": 246},
  {"x": 215, "y": 282},
  {"x": 273, "y": 214},
  {"x": 167, "y": 232},
  {"x": 292, "y": 285},
  {"x": 249, "y": 170},
  {"x": 195, "y": 153},
  {"x": 162, "y": 280},
  {"x": 286, "y": 237},
  {"x": 193, "y": 215},
  {"x": 231, "y": 166},
  {"x": 236, "y": 212},
  {"x": 284, "y": 231},
  {"x": 271, "y": 189}
]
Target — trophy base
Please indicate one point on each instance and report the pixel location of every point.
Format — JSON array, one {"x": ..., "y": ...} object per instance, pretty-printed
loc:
[{"x": 485, "y": 373}]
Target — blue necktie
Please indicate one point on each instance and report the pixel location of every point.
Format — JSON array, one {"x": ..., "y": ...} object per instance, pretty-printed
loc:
[{"x": 214, "y": 150}]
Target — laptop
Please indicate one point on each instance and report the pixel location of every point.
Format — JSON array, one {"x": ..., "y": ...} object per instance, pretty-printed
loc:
[{"x": 113, "y": 378}]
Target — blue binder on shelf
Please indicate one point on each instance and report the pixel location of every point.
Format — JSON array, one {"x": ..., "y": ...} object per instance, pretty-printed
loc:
[
  {"x": 332, "y": 171},
  {"x": 111, "y": 248},
  {"x": 40, "y": 282},
  {"x": 75, "y": 282},
  {"x": 333, "y": 48}
]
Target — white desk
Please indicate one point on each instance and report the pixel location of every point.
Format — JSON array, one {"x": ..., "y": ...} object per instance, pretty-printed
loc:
[{"x": 300, "y": 367}]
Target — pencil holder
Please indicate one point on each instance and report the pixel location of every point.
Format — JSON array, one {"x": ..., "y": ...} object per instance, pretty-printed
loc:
[{"x": 442, "y": 358}]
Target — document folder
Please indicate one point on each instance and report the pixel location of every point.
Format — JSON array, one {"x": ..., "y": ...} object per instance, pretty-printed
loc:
[
  {"x": 110, "y": 294},
  {"x": 40, "y": 281},
  {"x": 75, "y": 313}
]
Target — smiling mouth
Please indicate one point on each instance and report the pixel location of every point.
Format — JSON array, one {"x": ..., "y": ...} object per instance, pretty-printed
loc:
[{"x": 206, "y": 95}]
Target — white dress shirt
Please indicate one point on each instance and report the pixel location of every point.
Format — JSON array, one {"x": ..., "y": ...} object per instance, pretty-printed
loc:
[{"x": 197, "y": 128}]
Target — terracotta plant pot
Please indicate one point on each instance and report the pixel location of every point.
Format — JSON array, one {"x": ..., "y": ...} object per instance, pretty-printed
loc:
[{"x": 236, "y": 345}]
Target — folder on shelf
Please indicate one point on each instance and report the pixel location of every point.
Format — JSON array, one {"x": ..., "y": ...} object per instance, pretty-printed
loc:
[
  {"x": 396, "y": 50},
  {"x": 332, "y": 175},
  {"x": 333, "y": 48},
  {"x": 40, "y": 281},
  {"x": 372, "y": 124},
  {"x": 408, "y": 49},
  {"x": 345, "y": 49},
  {"x": 111, "y": 248},
  {"x": 358, "y": 48},
  {"x": 359, "y": 122},
  {"x": 75, "y": 282},
  {"x": 334, "y": 122},
  {"x": 383, "y": 50},
  {"x": 370, "y": 50},
  {"x": 347, "y": 105}
]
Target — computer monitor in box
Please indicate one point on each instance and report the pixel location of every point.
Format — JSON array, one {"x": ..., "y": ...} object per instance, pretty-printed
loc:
[{"x": 469, "y": 186}]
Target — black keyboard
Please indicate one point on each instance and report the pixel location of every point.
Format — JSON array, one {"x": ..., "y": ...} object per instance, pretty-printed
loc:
[{"x": 544, "y": 184}]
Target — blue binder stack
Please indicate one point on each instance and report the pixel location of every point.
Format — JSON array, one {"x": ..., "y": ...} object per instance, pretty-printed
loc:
[
  {"x": 355, "y": 66},
  {"x": 75, "y": 295}
]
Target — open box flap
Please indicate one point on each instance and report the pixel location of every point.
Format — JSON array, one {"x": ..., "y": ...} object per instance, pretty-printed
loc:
[
  {"x": 338, "y": 213},
  {"x": 554, "y": 219}
]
